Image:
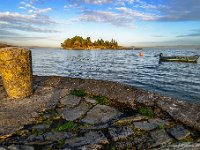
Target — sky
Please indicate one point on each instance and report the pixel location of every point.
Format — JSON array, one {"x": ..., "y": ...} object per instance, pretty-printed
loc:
[{"x": 131, "y": 22}]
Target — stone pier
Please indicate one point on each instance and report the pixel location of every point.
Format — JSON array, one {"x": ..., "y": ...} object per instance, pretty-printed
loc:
[{"x": 72, "y": 113}]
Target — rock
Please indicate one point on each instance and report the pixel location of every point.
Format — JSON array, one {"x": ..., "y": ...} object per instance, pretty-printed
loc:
[
  {"x": 179, "y": 132},
  {"x": 151, "y": 124},
  {"x": 125, "y": 145},
  {"x": 160, "y": 137},
  {"x": 27, "y": 110},
  {"x": 120, "y": 133},
  {"x": 158, "y": 122},
  {"x": 143, "y": 142},
  {"x": 90, "y": 100},
  {"x": 95, "y": 127},
  {"x": 41, "y": 127},
  {"x": 3, "y": 93},
  {"x": 140, "y": 142},
  {"x": 64, "y": 92},
  {"x": 16, "y": 71},
  {"x": 70, "y": 101},
  {"x": 144, "y": 125},
  {"x": 56, "y": 136},
  {"x": 71, "y": 114},
  {"x": 91, "y": 147},
  {"x": 67, "y": 149},
  {"x": 88, "y": 138},
  {"x": 181, "y": 111},
  {"x": 146, "y": 98},
  {"x": 130, "y": 119},
  {"x": 180, "y": 146},
  {"x": 2, "y": 148},
  {"x": 33, "y": 138},
  {"x": 100, "y": 114},
  {"x": 20, "y": 147}
]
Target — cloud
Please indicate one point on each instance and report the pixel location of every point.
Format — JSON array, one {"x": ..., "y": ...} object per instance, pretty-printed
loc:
[
  {"x": 120, "y": 16},
  {"x": 40, "y": 11},
  {"x": 181, "y": 10},
  {"x": 72, "y": 6},
  {"x": 136, "y": 14},
  {"x": 28, "y": 28},
  {"x": 32, "y": 9},
  {"x": 95, "y": 2},
  {"x": 123, "y": 2},
  {"x": 106, "y": 17},
  {"x": 19, "y": 38},
  {"x": 194, "y": 33},
  {"x": 6, "y": 33},
  {"x": 18, "y": 18},
  {"x": 30, "y": 23}
]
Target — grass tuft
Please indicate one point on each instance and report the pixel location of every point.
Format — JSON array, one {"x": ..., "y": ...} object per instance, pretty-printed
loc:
[
  {"x": 79, "y": 93},
  {"x": 100, "y": 99},
  {"x": 146, "y": 111},
  {"x": 66, "y": 126}
]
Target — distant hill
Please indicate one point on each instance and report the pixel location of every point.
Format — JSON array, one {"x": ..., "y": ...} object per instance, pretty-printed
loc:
[{"x": 2, "y": 45}]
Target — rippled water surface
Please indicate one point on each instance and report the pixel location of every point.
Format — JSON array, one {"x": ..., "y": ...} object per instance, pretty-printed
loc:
[{"x": 179, "y": 80}]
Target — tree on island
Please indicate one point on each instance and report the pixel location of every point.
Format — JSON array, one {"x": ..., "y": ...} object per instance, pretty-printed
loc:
[{"x": 79, "y": 42}]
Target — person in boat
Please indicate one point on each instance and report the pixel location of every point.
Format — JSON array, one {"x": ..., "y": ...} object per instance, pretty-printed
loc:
[{"x": 161, "y": 54}]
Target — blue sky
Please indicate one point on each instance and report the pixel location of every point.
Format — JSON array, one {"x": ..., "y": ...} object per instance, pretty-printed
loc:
[{"x": 130, "y": 22}]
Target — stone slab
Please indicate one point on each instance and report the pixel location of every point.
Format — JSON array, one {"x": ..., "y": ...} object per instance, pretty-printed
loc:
[
  {"x": 71, "y": 114},
  {"x": 160, "y": 137},
  {"x": 100, "y": 114},
  {"x": 179, "y": 132},
  {"x": 89, "y": 138},
  {"x": 120, "y": 133}
]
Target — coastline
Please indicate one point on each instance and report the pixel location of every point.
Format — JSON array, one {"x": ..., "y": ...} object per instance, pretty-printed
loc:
[{"x": 50, "y": 91}]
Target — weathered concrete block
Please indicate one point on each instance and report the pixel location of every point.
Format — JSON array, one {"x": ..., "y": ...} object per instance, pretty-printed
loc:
[{"x": 16, "y": 71}]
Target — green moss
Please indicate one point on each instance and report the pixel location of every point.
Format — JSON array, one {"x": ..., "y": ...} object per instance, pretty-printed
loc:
[
  {"x": 160, "y": 126},
  {"x": 146, "y": 111},
  {"x": 36, "y": 132},
  {"x": 187, "y": 139},
  {"x": 48, "y": 121},
  {"x": 66, "y": 126},
  {"x": 113, "y": 147},
  {"x": 61, "y": 142},
  {"x": 100, "y": 99},
  {"x": 79, "y": 93},
  {"x": 137, "y": 131}
]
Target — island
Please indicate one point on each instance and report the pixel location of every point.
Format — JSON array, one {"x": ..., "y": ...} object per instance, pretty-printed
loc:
[{"x": 79, "y": 43}]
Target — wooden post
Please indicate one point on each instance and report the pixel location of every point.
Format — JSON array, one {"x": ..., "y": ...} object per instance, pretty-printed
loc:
[{"x": 16, "y": 71}]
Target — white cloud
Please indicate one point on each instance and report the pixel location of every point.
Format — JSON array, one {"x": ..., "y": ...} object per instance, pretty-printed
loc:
[
  {"x": 94, "y": 2},
  {"x": 28, "y": 28},
  {"x": 106, "y": 17},
  {"x": 123, "y": 2},
  {"x": 33, "y": 22},
  {"x": 97, "y": 2},
  {"x": 21, "y": 18},
  {"x": 136, "y": 14},
  {"x": 72, "y": 6},
  {"x": 181, "y": 10},
  {"x": 40, "y": 11},
  {"x": 32, "y": 9},
  {"x": 27, "y": 5}
]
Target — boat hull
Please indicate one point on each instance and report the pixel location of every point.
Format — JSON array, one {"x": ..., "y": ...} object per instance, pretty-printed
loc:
[{"x": 189, "y": 59}]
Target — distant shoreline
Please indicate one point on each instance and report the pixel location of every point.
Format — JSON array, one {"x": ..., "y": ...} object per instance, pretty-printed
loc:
[{"x": 121, "y": 48}]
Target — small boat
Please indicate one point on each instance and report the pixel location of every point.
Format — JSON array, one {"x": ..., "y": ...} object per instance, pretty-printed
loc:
[{"x": 190, "y": 59}]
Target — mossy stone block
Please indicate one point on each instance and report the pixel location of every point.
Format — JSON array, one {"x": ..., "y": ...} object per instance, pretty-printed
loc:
[{"x": 16, "y": 71}]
